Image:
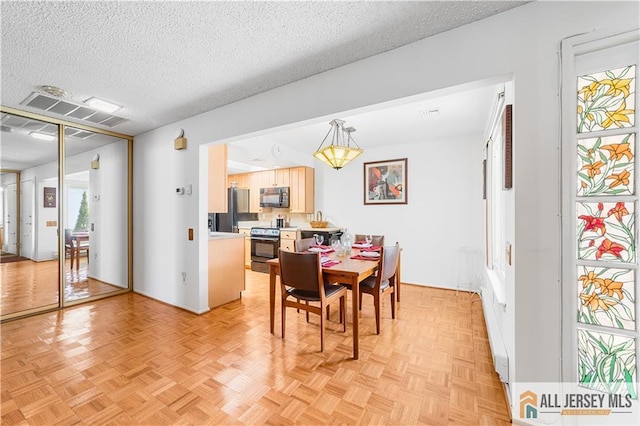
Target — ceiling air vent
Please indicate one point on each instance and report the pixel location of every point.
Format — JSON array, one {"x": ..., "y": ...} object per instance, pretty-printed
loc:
[{"x": 58, "y": 106}]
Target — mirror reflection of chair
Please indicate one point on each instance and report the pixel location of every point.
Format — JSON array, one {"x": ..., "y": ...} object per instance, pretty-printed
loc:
[
  {"x": 301, "y": 278},
  {"x": 383, "y": 282},
  {"x": 74, "y": 245},
  {"x": 376, "y": 240}
]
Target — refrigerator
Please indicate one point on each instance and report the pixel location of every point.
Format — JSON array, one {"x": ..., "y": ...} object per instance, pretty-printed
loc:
[{"x": 237, "y": 210}]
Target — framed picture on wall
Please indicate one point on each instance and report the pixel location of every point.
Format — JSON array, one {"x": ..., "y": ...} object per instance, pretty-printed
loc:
[
  {"x": 49, "y": 197},
  {"x": 385, "y": 182}
]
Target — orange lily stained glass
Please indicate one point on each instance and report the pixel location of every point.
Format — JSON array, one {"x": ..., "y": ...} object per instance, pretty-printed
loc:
[
  {"x": 606, "y": 297},
  {"x": 606, "y": 100},
  {"x": 606, "y": 231},
  {"x": 606, "y": 165}
]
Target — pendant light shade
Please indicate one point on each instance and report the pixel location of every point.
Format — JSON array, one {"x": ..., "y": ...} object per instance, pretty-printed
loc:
[{"x": 339, "y": 152}]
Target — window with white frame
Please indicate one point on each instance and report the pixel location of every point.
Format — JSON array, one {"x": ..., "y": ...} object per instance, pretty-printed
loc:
[{"x": 495, "y": 194}]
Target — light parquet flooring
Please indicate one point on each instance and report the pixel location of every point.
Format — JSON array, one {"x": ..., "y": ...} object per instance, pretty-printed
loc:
[
  {"x": 26, "y": 285},
  {"x": 129, "y": 360}
]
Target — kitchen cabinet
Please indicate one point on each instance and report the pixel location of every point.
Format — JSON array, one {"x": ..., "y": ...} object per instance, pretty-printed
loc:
[
  {"x": 242, "y": 180},
  {"x": 274, "y": 177},
  {"x": 255, "y": 183},
  {"x": 226, "y": 268},
  {"x": 247, "y": 246},
  {"x": 300, "y": 180},
  {"x": 287, "y": 239},
  {"x": 218, "y": 179},
  {"x": 302, "y": 190}
]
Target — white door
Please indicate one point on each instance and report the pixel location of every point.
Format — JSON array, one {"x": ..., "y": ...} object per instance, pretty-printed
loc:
[
  {"x": 27, "y": 221},
  {"x": 10, "y": 223}
]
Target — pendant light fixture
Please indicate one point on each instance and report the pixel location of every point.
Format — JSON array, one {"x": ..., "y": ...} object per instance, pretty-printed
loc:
[{"x": 340, "y": 151}]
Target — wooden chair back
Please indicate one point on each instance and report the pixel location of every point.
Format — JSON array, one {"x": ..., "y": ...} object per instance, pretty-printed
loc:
[
  {"x": 376, "y": 240},
  {"x": 303, "y": 244},
  {"x": 301, "y": 271}
]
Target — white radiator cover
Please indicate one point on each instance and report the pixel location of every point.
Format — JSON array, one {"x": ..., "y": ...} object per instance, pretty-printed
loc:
[{"x": 498, "y": 349}]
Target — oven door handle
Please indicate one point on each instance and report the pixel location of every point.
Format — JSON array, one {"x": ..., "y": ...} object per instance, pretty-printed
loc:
[{"x": 271, "y": 240}]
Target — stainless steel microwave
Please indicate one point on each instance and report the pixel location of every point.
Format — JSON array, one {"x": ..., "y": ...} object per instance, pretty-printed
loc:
[{"x": 277, "y": 196}]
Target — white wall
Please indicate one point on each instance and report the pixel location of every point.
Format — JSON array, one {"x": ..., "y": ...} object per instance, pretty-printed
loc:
[
  {"x": 108, "y": 212},
  {"x": 523, "y": 41},
  {"x": 443, "y": 214}
]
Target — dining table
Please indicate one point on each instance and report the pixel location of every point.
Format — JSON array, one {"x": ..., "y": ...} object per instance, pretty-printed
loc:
[
  {"x": 81, "y": 242},
  {"x": 348, "y": 271}
]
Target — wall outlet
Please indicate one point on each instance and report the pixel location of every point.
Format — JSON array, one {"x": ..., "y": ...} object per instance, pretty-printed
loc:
[{"x": 183, "y": 277}]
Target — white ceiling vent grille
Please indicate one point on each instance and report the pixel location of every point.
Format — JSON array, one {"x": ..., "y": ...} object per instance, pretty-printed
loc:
[
  {"x": 58, "y": 106},
  {"x": 26, "y": 125}
]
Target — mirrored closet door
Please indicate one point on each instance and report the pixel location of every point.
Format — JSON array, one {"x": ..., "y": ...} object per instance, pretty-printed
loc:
[{"x": 65, "y": 213}]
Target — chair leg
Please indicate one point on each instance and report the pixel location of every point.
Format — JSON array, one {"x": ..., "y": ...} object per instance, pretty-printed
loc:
[
  {"x": 376, "y": 303},
  {"x": 360, "y": 304},
  {"x": 307, "y": 302},
  {"x": 284, "y": 316},
  {"x": 328, "y": 311},
  {"x": 393, "y": 305},
  {"x": 343, "y": 314},
  {"x": 321, "y": 332}
]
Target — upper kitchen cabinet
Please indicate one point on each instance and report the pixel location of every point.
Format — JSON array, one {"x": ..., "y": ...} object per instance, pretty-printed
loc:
[
  {"x": 218, "y": 179},
  {"x": 302, "y": 195},
  {"x": 275, "y": 177},
  {"x": 242, "y": 180}
]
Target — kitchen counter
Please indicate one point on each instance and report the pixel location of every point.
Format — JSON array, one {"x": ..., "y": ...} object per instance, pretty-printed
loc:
[
  {"x": 224, "y": 235},
  {"x": 226, "y": 267},
  {"x": 309, "y": 228}
]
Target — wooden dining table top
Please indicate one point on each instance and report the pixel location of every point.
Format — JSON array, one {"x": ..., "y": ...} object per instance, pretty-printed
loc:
[{"x": 348, "y": 271}]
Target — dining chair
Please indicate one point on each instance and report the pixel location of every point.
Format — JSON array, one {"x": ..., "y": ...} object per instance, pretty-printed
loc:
[
  {"x": 301, "y": 278},
  {"x": 383, "y": 282},
  {"x": 300, "y": 245},
  {"x": 81, "y": 245},
  {"x": 69, "y": 246},
  {"x": 376, "y": 240},
  {"x": 303, "y": 244}
]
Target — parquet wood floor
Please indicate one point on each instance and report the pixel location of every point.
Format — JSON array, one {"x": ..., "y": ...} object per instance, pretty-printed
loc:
[
  {"x": 129, "y": 360},
  {"x": 28, "y": 284}
]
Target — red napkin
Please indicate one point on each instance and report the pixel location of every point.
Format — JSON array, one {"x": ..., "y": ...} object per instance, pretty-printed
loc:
[
  {"x": 330, "y": 263},
  {"x": 358, "y": 257},
  {"x": 320, "y": 246},
  {"x": 372, "y": 248}
]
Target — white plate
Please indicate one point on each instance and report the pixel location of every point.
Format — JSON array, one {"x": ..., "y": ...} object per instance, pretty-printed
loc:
[
  {"x": 369, "y": 254},
  {"x": 364, "y": 245},
  {"x": 319, "y": 250}
]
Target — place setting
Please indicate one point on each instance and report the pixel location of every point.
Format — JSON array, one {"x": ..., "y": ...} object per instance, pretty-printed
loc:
[
  {"x": 367, "y": 250},
  {"x": 318, "y": 247}
]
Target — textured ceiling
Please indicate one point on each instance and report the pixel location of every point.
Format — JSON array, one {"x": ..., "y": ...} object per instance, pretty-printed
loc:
[{"x": 166, "y": 61}]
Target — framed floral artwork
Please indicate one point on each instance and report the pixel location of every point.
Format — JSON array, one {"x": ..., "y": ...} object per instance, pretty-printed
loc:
[
  {"x": 49, "y": 197},
  {"x": 385, "y": 182}
]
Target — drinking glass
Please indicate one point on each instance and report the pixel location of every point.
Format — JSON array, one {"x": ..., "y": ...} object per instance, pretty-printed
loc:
[
  {"x": 319, "y": 240},
  {"x": 368, "y": 239}
]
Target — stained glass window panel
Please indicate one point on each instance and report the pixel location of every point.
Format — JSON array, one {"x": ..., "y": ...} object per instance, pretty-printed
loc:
[
  {"x": 606, "y": 297},
  {"x": 606, "y": 231},
  {"x": 606, "y": 100},
  {"x": 606, "y": 165},
  {"x": 607, "y": 362}
]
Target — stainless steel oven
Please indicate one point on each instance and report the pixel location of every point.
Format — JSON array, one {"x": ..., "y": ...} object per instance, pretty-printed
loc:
[{"x": 265, "y": 243}]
